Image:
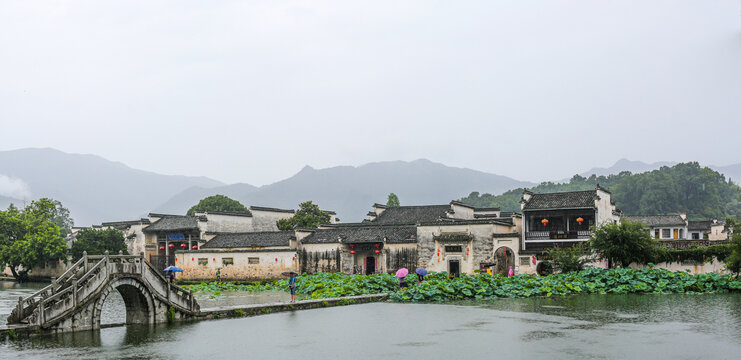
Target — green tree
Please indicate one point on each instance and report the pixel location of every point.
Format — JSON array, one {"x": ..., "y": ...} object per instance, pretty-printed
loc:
[
  {"x": 217, "y": 203},
  {"x": 733, "y": 262},
  {"x": 393, "y": 200},
  {"x": 29, "y": 238},
  {"x": 571, "y": 258},
  {"x": 624, "y": 243},
  {"x": 96, "y": 242},
  {"x": 54, "y": 211},
  {"x": 308, "y": 216}
]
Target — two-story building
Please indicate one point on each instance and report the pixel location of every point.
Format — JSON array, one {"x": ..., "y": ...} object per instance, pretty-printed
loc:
[
  {"x": 668, "y": 227},
  {"x": 563, "y": 218}
]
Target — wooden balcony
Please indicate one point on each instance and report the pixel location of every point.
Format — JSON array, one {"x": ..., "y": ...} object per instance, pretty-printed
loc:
[{"x": 556, "y": 235}]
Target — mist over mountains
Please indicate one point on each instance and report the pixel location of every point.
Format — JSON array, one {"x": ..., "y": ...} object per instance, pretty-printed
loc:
[{"x": 97, "y": 190}]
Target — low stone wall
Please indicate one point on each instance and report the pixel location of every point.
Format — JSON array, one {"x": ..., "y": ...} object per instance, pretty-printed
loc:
[
  {"x": 244, "y": 265},
  {"x": 9, "y": 332},
  {"x": 712, "y": 266}
]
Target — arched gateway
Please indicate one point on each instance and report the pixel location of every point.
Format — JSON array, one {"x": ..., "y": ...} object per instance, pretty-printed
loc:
[{"x": 74, "y": 301}]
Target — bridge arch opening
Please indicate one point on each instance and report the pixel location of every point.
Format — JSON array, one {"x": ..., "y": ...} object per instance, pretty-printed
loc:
[{"x": 127, "y": 296}]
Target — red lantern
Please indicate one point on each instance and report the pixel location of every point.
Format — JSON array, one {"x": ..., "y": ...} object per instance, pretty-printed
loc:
[
  {"x": 293, "y": 258},
  {"x": 176, "y": 259},
  {"x": 171, "y": 246},
  {"x": 276, "y": 259},
  {"x": 466, "y": 251},
  {"x": 545, "y": 222},
  {"x": 192, "y": 259},
  {"x": 352, "y": 245},
  {"x": 377, "y": 245},
  {"x": 195, "y": 247},
  {"x": 214, "y": 259},
  {"x": 352, "y": 251},
  {"x": 162, "y": 248},
  {"x": 378, "y": 251},
  {"x": 579, "y": 220},
  {"x": 183, "y": 246}
]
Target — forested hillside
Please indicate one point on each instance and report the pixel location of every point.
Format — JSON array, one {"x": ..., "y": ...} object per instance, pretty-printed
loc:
[{"x": 699, "y": 191}]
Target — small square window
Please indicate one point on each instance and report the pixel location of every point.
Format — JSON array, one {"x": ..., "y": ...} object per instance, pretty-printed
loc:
[
  {"x": 665, "y": 233},
  {"x": 202, "y": 261},
  {"x": 227, "y": 261},
  {"x": 253, "y": 260}
]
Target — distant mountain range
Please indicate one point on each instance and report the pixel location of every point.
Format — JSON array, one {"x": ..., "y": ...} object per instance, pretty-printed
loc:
[
  {"x": 350, "y": 191},
  {"x": 93, "y": 188},
  {"x": 97, "y": 190}
]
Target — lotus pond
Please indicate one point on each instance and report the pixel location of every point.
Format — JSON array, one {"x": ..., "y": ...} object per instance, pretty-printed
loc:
[{"x": 437, "y": 287}]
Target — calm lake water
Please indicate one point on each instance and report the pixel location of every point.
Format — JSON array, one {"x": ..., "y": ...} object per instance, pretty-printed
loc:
[{"x": 580, "y": 327}]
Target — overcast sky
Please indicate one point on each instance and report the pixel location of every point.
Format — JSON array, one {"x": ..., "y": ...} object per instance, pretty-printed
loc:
[{"x": 245, "y": 91}]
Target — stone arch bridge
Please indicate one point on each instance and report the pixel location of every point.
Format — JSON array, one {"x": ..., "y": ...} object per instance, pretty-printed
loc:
[{"x": 74, "y": 300}]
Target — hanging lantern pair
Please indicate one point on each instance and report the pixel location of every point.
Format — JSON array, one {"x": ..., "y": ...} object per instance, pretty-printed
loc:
[{"x": 544, "y": 222}]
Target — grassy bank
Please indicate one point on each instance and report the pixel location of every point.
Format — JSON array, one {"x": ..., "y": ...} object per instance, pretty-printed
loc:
[{"x": 437, "y": 287}]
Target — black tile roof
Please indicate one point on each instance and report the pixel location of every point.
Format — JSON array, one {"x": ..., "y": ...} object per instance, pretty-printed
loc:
[
  {"x": 362, "y": 234},
  {"x": 173, "y": 223},
  {"x": 488, "y": 209},
  {"x": 248, "y": 240},
  {"x": 229, "y": 213},
  {"x": 562, "y": 200},
  {"x": 699, "y": 225},
  {"x": 658, "y": 220},
  {"x": 408, "y": 215},
  {"x": 261, "y": 208}
]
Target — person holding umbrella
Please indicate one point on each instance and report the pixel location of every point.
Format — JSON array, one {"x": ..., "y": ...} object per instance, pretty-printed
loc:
[
  {"x": 401, "y": 274},
  {"x": 421, "y": 272},
  {"x": 291, "y": 283},
  {"x": 170, "y": 271}
]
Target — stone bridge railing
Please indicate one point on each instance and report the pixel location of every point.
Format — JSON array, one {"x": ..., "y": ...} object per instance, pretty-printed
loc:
[{"x": 86, "y": 279}]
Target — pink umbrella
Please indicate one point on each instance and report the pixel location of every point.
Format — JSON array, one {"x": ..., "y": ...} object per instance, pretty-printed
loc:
[{"x": 402, "y": 272}]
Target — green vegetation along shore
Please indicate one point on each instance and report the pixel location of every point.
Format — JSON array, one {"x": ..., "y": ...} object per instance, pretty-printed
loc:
[{"x": 437, "y": 287}]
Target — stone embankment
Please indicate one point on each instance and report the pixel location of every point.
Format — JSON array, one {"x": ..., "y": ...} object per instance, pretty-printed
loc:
[{"x": 12, "y": 331}]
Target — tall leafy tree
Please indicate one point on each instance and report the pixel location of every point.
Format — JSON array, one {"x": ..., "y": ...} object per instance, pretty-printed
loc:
[
  {"x": 217, "y": 203},
  {"x": 624, "y": 243},
  {"x": 308, "y": 216},
  {"x": 54, "y": 211},
  {"x": 97, "y": 242},
  {"x": 30, "y": 238},
  {"x": 392, "y": 200}
]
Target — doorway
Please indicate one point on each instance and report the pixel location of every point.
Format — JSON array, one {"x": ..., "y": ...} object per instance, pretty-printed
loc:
[
  {"x": 370, "y": 265},
  {"x": 454, "y": 268}
]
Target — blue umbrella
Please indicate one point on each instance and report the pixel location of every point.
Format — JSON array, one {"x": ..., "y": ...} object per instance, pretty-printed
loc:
[
  {"x": 421, "y": 271},
  {"x": 173, "y": 269}
]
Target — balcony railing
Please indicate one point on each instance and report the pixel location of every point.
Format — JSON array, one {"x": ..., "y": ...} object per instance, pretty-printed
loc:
[{"x": 558, "y": 235}]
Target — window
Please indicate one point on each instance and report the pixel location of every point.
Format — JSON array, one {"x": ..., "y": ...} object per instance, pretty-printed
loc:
[
  {"x": 695, "y": 236},
  {"x": 665, "y": 233},
  {"x": 202, "y": 261},
  {"x": 676, "y": 233},
  {"x": 681, "y": 233},
  {"x": 454, "y": 249},
  {"x": 253, "y": 260},
  {"x": 227, "y": 261},
  {"x": 656, "y": 233}
]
